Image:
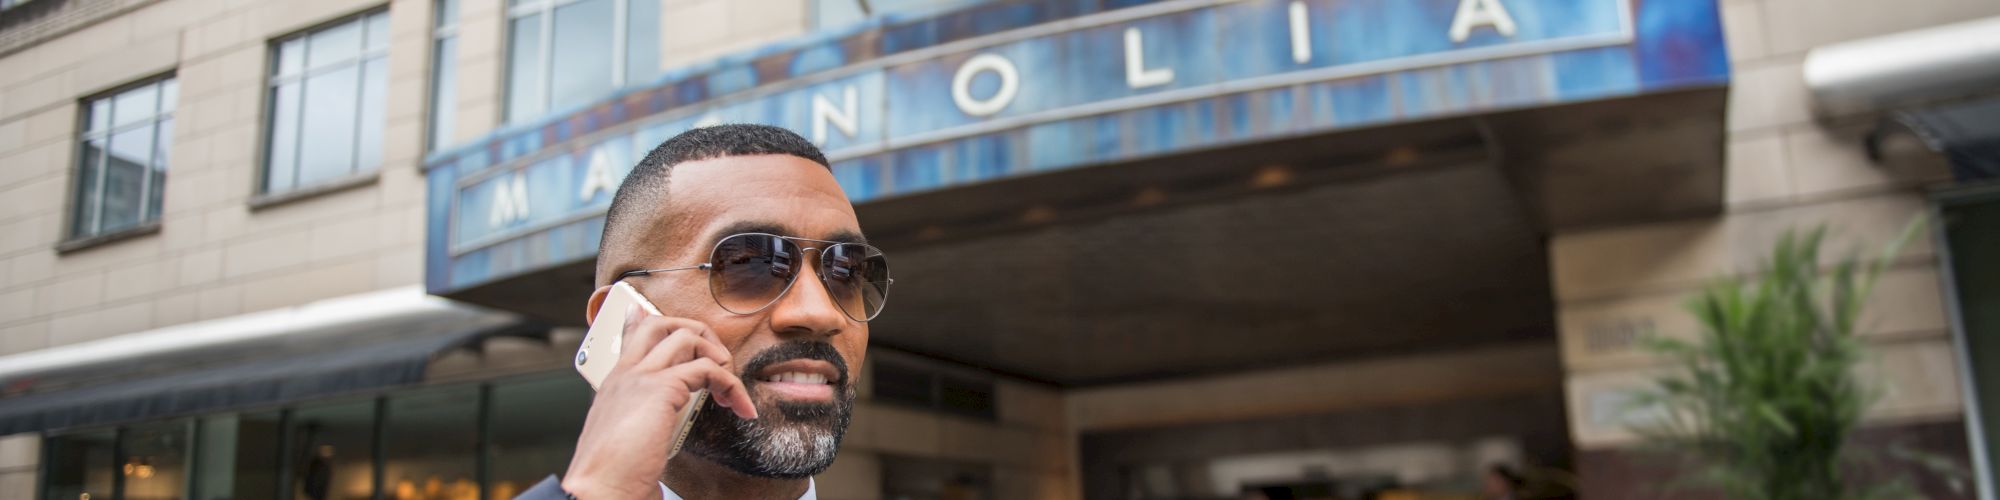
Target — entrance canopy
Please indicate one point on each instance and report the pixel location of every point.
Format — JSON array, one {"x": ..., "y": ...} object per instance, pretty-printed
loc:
[{"x": 1373, "y": 160}]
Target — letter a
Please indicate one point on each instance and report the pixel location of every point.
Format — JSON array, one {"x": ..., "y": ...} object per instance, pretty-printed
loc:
[{"x": 1476, "y": 13}]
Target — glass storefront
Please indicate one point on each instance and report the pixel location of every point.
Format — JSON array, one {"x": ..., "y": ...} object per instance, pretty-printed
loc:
[
  {"x": 433, "y": 443},
  {"x": 1972, "y": 238}
]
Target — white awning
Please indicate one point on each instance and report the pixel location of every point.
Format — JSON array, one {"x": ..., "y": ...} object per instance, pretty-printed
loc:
[{"x": 1908, "y": 68}]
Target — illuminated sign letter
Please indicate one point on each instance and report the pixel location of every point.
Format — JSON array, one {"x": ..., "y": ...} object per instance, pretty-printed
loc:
[
  {"x": 597, "y": 175},
  {"x": 1136, "y": 74},
  {"x": 842, "y": 118},
  {"x": 1302, "y": 49},
  {"x": 961, "y": 85},
  {"x": 1476, "y": 13},
  {"x": 510, "y": 202}
]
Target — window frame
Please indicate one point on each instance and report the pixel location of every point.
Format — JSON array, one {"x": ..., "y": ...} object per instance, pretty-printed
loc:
[
  {"x": 264, "y": 195},
  {"x": 149, "y": 218},
  {"x": 442, "y": 30},
  {"x": 621, "y": 21}
]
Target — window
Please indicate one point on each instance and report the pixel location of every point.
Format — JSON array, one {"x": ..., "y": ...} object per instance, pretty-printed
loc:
[
  {"x": 560, "y": 53},
  {"x": 430, "y": 442},
  {"x": 122, "y": 158},
  {"x": 444, "y": 75},
  {"x": 534, "y": 427},
  {"x": 329, "y": 452},
  {"x": 327, "y": 85},
  {"x": 912, "y": 384},
  {"x": 155, "y": 460},
  {"x": 79, "y": 466}
]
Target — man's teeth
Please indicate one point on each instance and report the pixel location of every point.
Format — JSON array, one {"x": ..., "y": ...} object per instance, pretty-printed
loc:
[{"x": 797, "y": 378}]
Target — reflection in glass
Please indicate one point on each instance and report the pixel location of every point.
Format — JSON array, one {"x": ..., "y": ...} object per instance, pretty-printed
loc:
[
  {"x": 125, "y": 171},
  {"x": 430, "y": 442},
  {"x": 535, "y": 423},
  {"x": 91, "y": 166},
  {"x": 581, "y": 69},
  {"x": 134, "y": 106},
  {"x": 444, "y": 93},
  {"x": 330, "y": 447},
  {"x": 524, "y": 69},
  {"x": 374, "y": 90},
  {"x": 333, "y": 45},
  {"x": 330, "y": 104},
  {"x": 78, "y": 465},
  {"x": 284, "y": 160},
  {"x": 155, "y": 461}
]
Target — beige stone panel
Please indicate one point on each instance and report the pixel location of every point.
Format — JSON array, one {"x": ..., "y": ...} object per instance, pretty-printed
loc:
[
  {"x": 1606, "y": 334},
  {"x": 1676, "y": 255},
  {"x": 965, "y": 439},
  {"x": 1743, "y": 29},
  {"x": 24, "y": 337},
  {"x": 140, "y": 279},
  {"x": 1323, "y": 388},
  {"x": 52, "y": 89},
  {"x": 266, "y": 253},
  {"x": 31, "y": 267},
  {"x": 277, "y": 18},
  {"x": 301, "y": 213},
  {"x": 1798, "y": 25},
  {"x": 173, "y": 17},
  {"x": 1758, "y": 172},
  {"x": 222, "y": 33},
  {"x": 1768, "y": 94},
  {"x": 855, "y": 475},
  {"x": 689, "y": 30},
  {"x": 30, "y": 232},
  {"x": 100, "y": 322},
  {"x": 1021, "y": 403},
  {"x": 200, "y": 267},
  {"x": 315, "y": 282},
  {"x": 13, "y": 135},
  {"x": 1915, "y": 380},
  {"x": 17, "y": 305},
  {"x": 400, "y": 267},
  {"x": 17, "y": 484},
  {"x": 143, "y": 59},
  {"x": 219, "y": 301},
  {"x": 20, "y": 450},
  {"x": 903, "y": 431},
  {"x": 55, "y": 124},
  {"x": 182, "y": 231},
  {"x": 343, "y": 237},
  {"x": 403, "y": 185},
  {"x": 71, "y": 292},
  {"x": 188, "y": 192},
  {"x": 176, "y": 308},
  {"x": 224, "y": 222},
  {"x": 49, "y": 159},
  {"x": 402, "y": 141},
  {"x": 33, "y": 198},
  {"x": 486, "y": 114},
  {"x": 1831, "y": 160},
  {"x": 237, "y": 149}
]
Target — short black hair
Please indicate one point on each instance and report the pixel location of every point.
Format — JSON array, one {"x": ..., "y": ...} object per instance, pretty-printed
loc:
[{"x": 646, "y": 185}]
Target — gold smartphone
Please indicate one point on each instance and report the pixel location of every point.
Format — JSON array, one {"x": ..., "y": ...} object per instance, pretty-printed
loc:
[{"x": 606, "y": 338}]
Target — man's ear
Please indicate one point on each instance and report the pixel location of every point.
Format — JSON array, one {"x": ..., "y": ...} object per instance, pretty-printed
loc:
[{"x": 596, "y": 300}]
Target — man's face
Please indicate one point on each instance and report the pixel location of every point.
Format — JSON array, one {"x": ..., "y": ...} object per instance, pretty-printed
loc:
[{"x": 803, "y": 333}]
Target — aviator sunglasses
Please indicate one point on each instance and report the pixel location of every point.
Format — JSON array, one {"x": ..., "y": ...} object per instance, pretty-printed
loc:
[{"x": 748, "y": 272}]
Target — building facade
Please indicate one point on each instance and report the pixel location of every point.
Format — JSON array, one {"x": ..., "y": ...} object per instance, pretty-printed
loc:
[{"x": 1145, "y": 249}]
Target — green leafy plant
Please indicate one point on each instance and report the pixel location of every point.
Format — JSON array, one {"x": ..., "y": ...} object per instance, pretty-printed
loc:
[{"x": 1760, "y": 405}]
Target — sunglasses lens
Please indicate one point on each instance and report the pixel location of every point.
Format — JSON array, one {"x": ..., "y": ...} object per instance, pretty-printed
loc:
[
  {"x": 749, "y": 271},
  {"x": 857, "y": 277}
]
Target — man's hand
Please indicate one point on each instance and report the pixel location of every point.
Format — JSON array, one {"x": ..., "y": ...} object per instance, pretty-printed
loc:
[{"x": 635, "y": 415}]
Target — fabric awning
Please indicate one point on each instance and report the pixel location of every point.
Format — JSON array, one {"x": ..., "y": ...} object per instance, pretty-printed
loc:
[{"x": 344, "y": 345}]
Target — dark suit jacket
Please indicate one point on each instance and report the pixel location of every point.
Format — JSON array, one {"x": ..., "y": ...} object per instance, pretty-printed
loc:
[{"x": 548, "y": 489}]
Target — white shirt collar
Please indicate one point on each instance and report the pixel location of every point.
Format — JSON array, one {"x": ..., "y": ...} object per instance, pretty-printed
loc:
[{"x": 812, "y": 492}]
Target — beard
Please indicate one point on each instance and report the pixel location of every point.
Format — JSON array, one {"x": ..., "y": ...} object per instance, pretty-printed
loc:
[{"x": 798, "y": 440}]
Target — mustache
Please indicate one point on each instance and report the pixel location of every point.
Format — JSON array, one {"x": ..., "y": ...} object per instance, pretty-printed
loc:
[{"x": 797, "y": 349}]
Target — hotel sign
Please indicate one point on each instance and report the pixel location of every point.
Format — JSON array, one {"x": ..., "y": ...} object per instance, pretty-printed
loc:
[{"x": 1015, "y": 88}]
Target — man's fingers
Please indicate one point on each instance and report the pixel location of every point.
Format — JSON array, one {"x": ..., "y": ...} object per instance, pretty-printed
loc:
[
  {"x": 681, "y": 346},
  {"x": 644, "y": 335},
  {"x": 722, "y": 385}
]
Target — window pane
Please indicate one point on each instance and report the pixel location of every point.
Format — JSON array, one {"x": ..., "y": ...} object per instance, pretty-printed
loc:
[
  {"x": 374, "y": 87},
  {"x": 256, "y": 454},
  {"x": 444, "y": 93},
  {"x": 79, "y": 465},
  {"x": 155, "y": 462},
  {"x": 378, "y": 31},
  {"x": 99, "y": 117},
  {"x": 582, "y": 62},
  {"x": 331, "y": 446},
  {"x": 334, "y": 44},
  {"x": 326, "y": 149},
  {"x": 430, "y": 444},
  {"x": 90, "y": 165},
  {"x": 446, "y": 14},
  {"x": 282, "y": 167},
  {"x": 133, "y": 106},
  {"x": 215, "y": 456},
  {"x": 642, "y": 42},
  {"x": 124, "y": 173},
  {"x": 291, "y": 56},
  {"x": 170, "y": 94},
  {"x": 163, "y": 143},
  {"x": 535, "y": 423},
  {"x": 524, "y": 69}
]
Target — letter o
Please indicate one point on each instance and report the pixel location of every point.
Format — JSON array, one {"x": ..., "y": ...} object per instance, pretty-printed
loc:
[{"x": 961, "y": 85}]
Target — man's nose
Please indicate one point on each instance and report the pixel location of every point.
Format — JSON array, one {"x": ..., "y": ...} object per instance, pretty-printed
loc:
[{"x": 807, "y": 308}]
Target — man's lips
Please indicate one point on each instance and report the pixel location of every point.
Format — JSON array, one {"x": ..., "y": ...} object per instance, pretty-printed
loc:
[{"x": 801, "y": 379}]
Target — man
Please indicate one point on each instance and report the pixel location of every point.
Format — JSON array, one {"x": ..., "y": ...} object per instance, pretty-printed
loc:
[{"x": 752, "y": 253}]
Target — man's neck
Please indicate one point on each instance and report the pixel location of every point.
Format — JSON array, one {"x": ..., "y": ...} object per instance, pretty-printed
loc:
[{"x": 694, "y": 478}]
